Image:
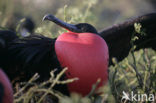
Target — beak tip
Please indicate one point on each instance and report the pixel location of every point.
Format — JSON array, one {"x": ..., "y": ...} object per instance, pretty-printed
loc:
[
  {"x": 48, "y": 17},
  {"x": 44, "y": 18}
]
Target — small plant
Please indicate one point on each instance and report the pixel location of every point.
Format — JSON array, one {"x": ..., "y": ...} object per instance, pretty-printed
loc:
[{"x": 38, "y": 92}]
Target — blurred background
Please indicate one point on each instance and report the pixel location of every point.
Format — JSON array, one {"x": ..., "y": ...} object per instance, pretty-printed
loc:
[{"x": 100, "y": 13}]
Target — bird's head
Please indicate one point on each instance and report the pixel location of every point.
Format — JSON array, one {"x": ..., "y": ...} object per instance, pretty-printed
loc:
[{"x": 77, "y": 28}]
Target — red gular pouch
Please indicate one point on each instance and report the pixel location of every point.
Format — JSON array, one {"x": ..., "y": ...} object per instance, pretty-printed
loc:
[
  {"x": 86, "y": 57},
  {"x": 6, "y": 95}
]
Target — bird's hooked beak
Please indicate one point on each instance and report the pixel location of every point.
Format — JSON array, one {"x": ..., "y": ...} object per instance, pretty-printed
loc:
[{"x": 61, "y": 23}]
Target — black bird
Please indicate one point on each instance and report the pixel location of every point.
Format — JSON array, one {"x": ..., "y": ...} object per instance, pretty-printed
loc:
[
  {"x": 34, "y": 49},
  {"x": 36, "y": 53},
  {"x": 26, "y": 27},
  {"x": 18, "y": 66},
  {"x": 23, "y": 25}
]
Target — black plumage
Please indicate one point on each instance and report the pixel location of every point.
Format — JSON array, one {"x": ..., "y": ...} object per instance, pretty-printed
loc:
[
  {"x": 118, "y": 37},
  {"x": 36, "y": 53}
]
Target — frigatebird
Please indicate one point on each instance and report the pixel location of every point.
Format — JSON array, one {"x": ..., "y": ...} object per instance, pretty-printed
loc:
[{"x": 36, "y": 53}]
